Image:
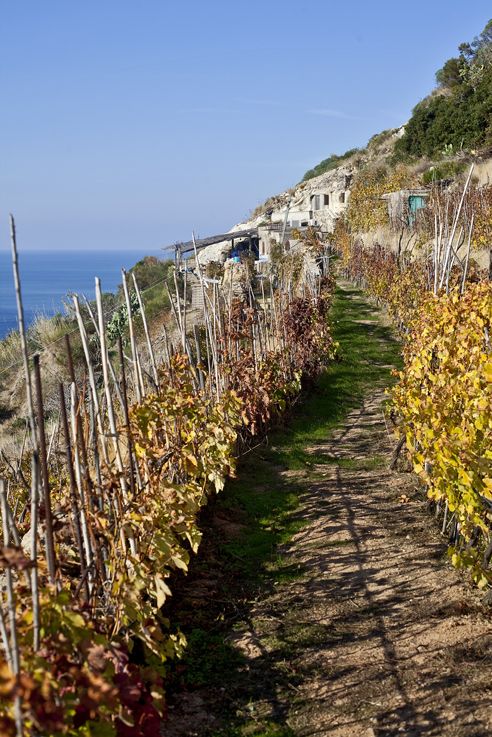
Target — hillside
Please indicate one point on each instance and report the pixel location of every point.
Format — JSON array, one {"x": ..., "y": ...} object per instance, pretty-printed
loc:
[
  {"x": 301, "y": 420},
  {"x": 447, "y": 131}
]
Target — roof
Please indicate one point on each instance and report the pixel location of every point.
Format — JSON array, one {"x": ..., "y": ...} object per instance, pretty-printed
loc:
[
  {"x": 204, "y": 242},
  {"x": 419, "y": 192}
]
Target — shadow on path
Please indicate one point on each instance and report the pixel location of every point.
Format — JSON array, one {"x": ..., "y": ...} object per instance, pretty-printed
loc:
[{"x": 358, "y": 626}]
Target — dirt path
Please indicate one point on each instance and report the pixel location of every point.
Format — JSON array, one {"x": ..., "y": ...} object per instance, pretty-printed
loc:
[
  {"x": 383, "y": 636},
  {"x": 375, "y": 635}
]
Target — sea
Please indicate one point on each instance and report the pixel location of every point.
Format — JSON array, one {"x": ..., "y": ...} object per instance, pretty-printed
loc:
[{"x": 49, "y": 277}]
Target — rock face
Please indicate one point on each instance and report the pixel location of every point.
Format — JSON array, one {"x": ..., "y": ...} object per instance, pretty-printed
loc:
[
  {"x": 318, "y": 201},
  {"x": 217, "y": 252},
  {"x": 235, "y": 281}
]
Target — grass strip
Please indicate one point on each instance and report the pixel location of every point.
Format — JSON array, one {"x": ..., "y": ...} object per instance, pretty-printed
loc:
[{"x": 262, "y": 506}]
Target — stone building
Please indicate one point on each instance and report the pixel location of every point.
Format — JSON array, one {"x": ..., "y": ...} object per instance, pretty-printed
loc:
[{"x": 317, "y": 203}]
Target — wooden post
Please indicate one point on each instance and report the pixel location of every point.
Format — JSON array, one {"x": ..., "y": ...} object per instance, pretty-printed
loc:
[
  {"x": 78, "y": 480},
  {"x": 198, "y": 357},
  {"x": 467, "y": 258},
  {"x": 83, "y": 447},
  {"x": 109, "y": 402},
  {"x": 110, "y": 365},
  {"x": 22, "y": 332},
  {"x": 139, "y": 387},
  {"x": 107, "y": 388},
  {"x": 34, "y": 552},
  {"x": 72, "y": 485},
  {"x": 50, "y": 546},
  {"x": 126, "y": 416},
  {"x": 11, "y": 610},
  {"x": 453, "y": 230},
  {"x": 147, "y": 334},
  {"x": 92, "y": 379}
]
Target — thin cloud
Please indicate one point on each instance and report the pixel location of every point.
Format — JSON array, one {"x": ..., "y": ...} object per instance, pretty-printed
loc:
[
  {"x": 259, "y": 101},
  {"x": 330, "y": 113},
  {"x": 209, "y": 110},
  {"x": 283, "y": 163}
]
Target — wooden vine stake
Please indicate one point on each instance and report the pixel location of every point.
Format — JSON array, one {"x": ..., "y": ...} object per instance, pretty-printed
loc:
[
  {"x": 48, "y": 517},
  {"x": 92, "y": 378},
  {"x": 110, "y": 365},
  {"x": 110, "y": 407},
  {"x": 139, "y": 387},
  {"x": 14, "y": 645},
  {"x": 147, "y": 334},
  {"x": 22, "y": 333},
  {"x": 89, "y": 556},
  {"x": 34, "y": 552}
]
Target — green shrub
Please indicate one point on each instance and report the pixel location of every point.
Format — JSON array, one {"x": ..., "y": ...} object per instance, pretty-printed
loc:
[
  {"x": 443, "y": 170},
  {"x": 152, "y": 275},
  {"x": 328, "y": 164},
  {"x": 150, "y": 270},
  {"x": 379, "y": 138},
  {"x": 460, "y": 116}
]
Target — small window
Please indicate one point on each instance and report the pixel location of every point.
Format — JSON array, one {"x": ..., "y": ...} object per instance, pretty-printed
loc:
[
  {"x": 342, "y": 197},
  {"x": 326, "y": 200},
  {"x": 316, "y": 202}
]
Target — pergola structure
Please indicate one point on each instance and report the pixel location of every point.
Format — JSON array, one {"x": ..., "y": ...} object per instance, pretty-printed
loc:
[{"x": 182, "y": 249}]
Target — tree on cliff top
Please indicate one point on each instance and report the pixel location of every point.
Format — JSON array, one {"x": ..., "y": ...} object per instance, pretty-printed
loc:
[{"x": 461, "y": 118}]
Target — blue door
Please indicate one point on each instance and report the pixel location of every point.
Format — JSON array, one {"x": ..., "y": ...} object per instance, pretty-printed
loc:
[{"x": 415, "y": 203}]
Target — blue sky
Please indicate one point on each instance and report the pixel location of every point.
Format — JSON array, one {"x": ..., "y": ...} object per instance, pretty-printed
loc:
[{"x": 126, "y": 124}]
